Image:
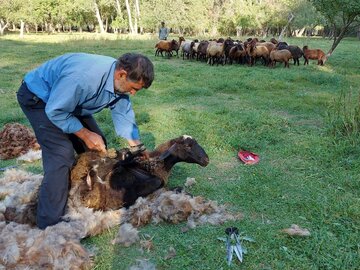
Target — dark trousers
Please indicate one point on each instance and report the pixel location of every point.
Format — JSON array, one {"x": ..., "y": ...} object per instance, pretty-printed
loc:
[{"x": 57, "y": 156}]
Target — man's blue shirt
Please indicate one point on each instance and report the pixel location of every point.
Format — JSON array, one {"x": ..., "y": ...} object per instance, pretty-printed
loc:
[{"x": 79, "y": 84}]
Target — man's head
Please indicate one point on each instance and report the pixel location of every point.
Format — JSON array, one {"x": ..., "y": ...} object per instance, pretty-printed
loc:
[
  {"x": 162, "y": 24},
  {"x": 133, "y": 72}
]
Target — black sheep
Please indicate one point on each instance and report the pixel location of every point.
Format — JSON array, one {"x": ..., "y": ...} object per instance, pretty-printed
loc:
[
  {"x": 296, "y": 52},
  {"x": 128, "y": 179}
]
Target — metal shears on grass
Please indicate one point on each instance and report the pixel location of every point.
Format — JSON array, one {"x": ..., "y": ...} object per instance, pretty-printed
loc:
[{"x": 233, "y": 245}]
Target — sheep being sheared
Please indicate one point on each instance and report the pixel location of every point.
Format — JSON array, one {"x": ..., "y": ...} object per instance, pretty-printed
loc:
[{"x": 110, "y": 183}]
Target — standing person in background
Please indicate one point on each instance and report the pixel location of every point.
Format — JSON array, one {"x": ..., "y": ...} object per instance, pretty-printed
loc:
[
  {"x": 163, "y": 32},
  {"x": 59, "y": 99}
]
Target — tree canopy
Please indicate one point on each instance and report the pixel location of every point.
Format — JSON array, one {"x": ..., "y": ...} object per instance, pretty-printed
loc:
[{"x": 212, "y": 17}]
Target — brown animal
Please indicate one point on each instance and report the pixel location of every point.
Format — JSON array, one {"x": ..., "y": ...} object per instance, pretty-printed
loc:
[
  {"x": 315, "y": 54},
  {"x": 237, "y": 53},
  {"x": 280, "y": 56},
  {"x": 269, "y": 45},
  {"x": 215, "y": 52},
  {"x": 296, "y": 52},
  {"x": 257, "y": 51},
  {"x": 202, "y": 48},
  {"x": 165, "y": 46}
]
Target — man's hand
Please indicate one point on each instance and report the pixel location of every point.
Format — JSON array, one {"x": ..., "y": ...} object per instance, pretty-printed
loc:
[
  {"x": 92, "y": 140},
  {"x": 137, "y": 148}
]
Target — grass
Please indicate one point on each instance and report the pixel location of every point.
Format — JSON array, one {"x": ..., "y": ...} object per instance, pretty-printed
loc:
[{"x": 306, "y": 175}]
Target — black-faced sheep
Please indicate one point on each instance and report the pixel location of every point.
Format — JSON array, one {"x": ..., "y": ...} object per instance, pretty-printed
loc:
[
  {"x": 237, "y": 53},
  {"x": 280, "y": 56},
  {"x": 138, "y": 178},
  {"x": 229, "y": 43},
  {"x": 315, "y": 54},
  {"x": 202, "y": 48},
  {"x": 216, "y": 51},
  {"x": 274, "y": 41},
  {"x": 177, "y": 46},
  {"x": 111, "y": 182}
]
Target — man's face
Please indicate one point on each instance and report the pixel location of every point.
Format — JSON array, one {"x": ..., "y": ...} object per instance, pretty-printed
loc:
[{"x": 123, "y": 85}]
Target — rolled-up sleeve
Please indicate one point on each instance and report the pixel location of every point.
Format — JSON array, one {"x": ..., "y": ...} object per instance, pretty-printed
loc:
[
  {"x": 65, "y": 95},
  {"x": 124, "y": 119}
]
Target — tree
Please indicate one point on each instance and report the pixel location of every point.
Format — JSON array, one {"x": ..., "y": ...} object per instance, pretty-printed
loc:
[
  {"x": 5, "y": 15},
  {"x": 341, "y": 15}
]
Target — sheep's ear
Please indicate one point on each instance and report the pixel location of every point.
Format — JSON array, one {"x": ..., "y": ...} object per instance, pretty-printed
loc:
[
  {"x": 164, "y": 155},
  {"x": 167, "y": 152},
  {"x": 88, "y": 181}
]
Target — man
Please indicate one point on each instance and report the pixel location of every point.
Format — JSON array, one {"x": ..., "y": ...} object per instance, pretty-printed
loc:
[
  {"x": 59, "y": 98},
  {"x": 163, "y": 32}
]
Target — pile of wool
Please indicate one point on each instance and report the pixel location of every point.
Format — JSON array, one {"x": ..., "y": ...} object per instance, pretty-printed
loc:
[
  {"x": 173, "y": 207},
  {"x": 16, "y": 140},
  {"x": 57, "y": 247}
]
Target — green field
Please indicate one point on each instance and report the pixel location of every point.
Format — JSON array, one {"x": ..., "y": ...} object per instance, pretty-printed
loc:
[{"x": 302, "y": 121}]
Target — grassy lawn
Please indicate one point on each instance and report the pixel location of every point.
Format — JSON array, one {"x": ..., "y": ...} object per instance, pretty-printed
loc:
[{"x": 308, "y": 174}]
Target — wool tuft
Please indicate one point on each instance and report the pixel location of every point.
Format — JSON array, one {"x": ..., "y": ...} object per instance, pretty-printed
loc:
[
  {"x": 16, "y": 140},
  {"x": 143, "y": 265},
  {"x": 172, "y": 207},
  {"x": 30, "y": 156},
  {"x": 296, "y": 230},
  {"x": 190, "y": 181},
  {"x": 24, "y": 246},
  {"x": 127, "y": 235}
]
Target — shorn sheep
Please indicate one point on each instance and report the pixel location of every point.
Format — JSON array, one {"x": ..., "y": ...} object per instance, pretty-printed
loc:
[
  {"x": 315, "y": 54},
  {"x": 280, "y": 56}
]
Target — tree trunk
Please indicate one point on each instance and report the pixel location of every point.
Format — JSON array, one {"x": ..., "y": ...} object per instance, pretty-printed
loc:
[
  {"x": 118, "y": 7},
  {"x": 137, "y": 9},
  {"x": 22, "y": 24},
  {"x": 3, "y": 26},
  {"x": 291, "y": 17},
  {"x": 129, "y": 17},
  {"x": 338, "y": 38},
  {"x": 98, "y": 17},
  {"x": 300, "y": 32}
]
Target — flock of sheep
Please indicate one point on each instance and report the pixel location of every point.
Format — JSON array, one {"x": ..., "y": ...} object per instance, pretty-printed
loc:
[{"x": 223, "y": 51}]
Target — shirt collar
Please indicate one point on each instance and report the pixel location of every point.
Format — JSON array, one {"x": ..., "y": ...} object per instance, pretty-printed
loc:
[{"x": 109, "y": 86}]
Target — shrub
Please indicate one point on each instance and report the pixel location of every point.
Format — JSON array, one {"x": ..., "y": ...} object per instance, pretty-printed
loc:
[{"x": 343, "y": 117}]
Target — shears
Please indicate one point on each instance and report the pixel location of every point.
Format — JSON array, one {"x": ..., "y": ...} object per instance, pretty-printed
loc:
[{"x": 233, "y": 245}]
